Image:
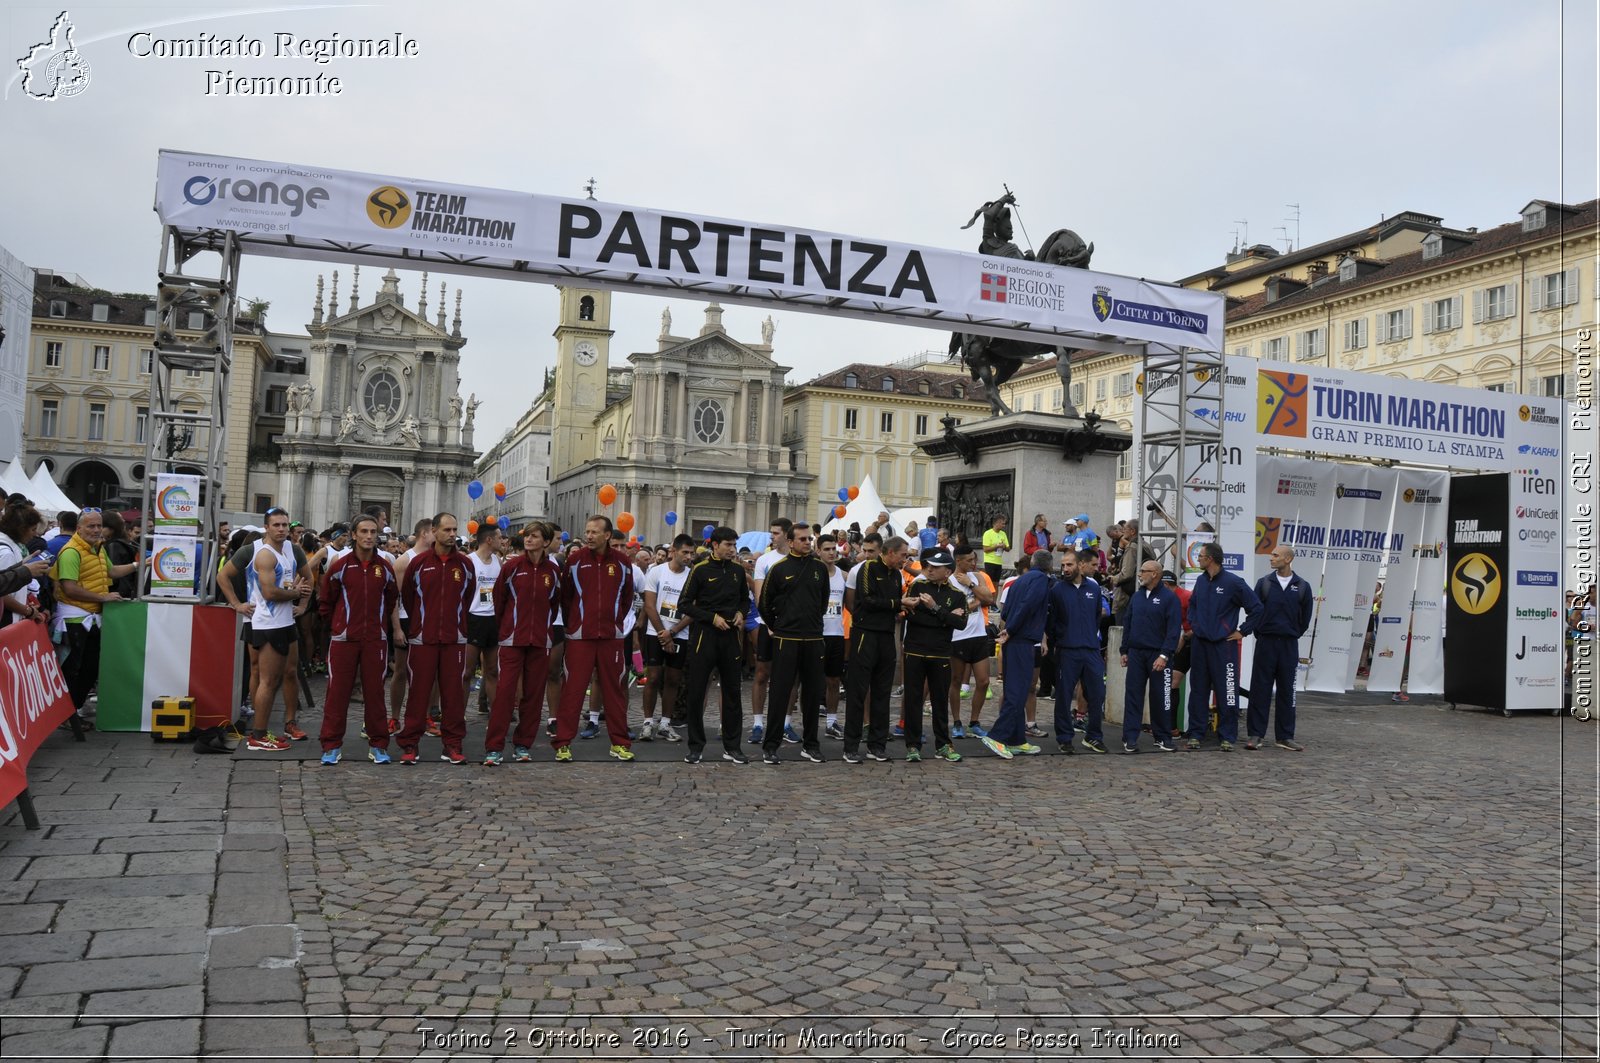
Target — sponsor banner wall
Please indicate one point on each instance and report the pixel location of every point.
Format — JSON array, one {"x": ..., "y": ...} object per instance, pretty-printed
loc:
[
  {"x": 1363, "y": 502},
  {"x": 1417, "y": 496},
  {"x": 1368, "y": 416},
  {"x": 177, "y": 505},
  {"x": 1533, "y": 588},
  {"x": 1477, "y": 603},
  {"x": 174, "y": 564},
  {"x": 1425, "y": 655},
  {"x": 277, "y": 203},
  {"x": 33, "y": 702},
  {"x": 1294, "y": 507}
]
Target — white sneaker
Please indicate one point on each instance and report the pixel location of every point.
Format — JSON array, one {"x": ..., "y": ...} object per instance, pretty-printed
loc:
[
  {"x": 648, "y": 732},
  {"x": 966, "y": 690},
  {"x": 668, "y": 733}
]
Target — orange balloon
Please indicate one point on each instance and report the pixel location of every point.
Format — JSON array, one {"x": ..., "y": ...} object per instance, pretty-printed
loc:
[
  {"x": 838, "y": 511},
  {"x": 624, "y": 522},
  {"x": 499, "y": 488},
  {"x": 854, "y": 491},
  {"x": 472, "y": 527},
  {"x": 608, "y": 494}
]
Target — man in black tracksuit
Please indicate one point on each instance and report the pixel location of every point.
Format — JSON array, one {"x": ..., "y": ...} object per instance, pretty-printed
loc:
[
  {"x": 794, "y": 597},
  {"x": 876, "y": 608},
  {"x": 940, "y": 611},
  {"x": 1286, "y": 609},
  {"x": 714, "y": 597}
]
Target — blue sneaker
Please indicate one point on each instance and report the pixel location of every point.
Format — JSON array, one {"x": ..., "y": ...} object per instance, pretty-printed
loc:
[
  {"x": 790, "y": 735},
  {"x": 590, "y": 729},
  {"x": 756, "y": 732},
  {"x": 332, "y": 756},
  {"x": 378, "y": 756},
  {"x": 897, "y": 731},
  {"x": 957, "y": 731},
  {"x": 977, "y": 731}
]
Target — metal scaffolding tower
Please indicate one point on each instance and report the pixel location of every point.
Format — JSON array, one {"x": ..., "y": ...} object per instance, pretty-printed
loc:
[
  {"x": 1180, "y": 460},
  {"x": 191, "y": 300}
]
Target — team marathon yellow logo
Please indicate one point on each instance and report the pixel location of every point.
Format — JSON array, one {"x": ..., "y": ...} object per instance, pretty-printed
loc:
[
  {"x": 1475, "y": 584},
  {"x": 388, "y": 207}
]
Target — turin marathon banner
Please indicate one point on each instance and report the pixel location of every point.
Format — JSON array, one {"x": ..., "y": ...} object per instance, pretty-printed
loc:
[{"x": 290, "y": 210}]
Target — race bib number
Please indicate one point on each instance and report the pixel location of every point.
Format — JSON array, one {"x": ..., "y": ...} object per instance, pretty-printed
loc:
[{"x": 835, "y": 607}]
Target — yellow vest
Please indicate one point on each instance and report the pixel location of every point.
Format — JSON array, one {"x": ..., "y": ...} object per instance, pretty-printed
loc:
[{"x": 93, "y": 574}]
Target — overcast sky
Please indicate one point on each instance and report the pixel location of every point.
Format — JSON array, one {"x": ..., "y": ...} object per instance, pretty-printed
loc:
[{"x": 1153, "y": 129}]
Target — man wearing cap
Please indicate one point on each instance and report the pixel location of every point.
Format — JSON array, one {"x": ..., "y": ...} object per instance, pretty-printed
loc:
[
  {"x": 940, "y": 610},
  {"x": 1154, "y": 623}
]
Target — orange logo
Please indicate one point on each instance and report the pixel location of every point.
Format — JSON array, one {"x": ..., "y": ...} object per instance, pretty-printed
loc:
[{"x": 1281, "y": 403}]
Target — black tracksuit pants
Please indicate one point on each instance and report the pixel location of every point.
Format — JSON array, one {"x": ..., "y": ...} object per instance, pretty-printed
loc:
[
  {"x": 867, "y": 683},
  {"x": 934, "y": 673},
  {"x": 710, "y": 649},
  {"x": 791, "y": 659}
]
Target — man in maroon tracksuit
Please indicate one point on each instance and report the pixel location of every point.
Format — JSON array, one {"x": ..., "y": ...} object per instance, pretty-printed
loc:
[
  {"x": 526, "y": 597},
  {"x": 438, "y": 591},
  {"x": 596, "y": 598},
  {"x": 357, "y": 597}
]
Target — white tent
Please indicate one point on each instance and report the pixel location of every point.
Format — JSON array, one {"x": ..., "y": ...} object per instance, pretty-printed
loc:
[
  {"x": 898, "y": 519},
  {"x": 13, "y": 481},
  {"x": 862, "y": 510},
  {"x": 47, "y": 497}
]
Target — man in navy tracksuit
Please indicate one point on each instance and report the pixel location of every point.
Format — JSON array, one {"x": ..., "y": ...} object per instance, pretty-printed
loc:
[
  {"x": 1154, "y": 622},
  {"x": 1073, "y": 627},
  {"x": 1214, "y": 617},
  {"x": 1024, "y": 617},
  {"x": 1286, "y": 608}
]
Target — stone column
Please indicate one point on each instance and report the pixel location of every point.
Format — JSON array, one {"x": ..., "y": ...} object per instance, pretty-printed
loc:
[
  {"x": 680, "y": 420},
  {"x": 738, "y": 511},
  {"x": 739, "y": 399},
  {"x": 682, "y": 507}
]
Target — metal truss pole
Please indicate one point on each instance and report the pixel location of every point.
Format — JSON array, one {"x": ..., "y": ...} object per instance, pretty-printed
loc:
[
  {"x": 196, "y": 439},
  {"x": 1180, "y": 464}
]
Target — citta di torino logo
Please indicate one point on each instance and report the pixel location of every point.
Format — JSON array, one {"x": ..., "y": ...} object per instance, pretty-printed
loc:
[{"x": 54, "y": 69}]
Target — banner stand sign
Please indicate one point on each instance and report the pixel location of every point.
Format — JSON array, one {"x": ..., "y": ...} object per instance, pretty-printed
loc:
[
  {"x": 174, "y": 565},
  {"x": 177, "y": 505},
  {"x": 33, "y": 703}
]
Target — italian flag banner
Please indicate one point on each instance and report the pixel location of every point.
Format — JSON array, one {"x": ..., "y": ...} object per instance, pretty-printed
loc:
[{"x": 153, "y": 650}]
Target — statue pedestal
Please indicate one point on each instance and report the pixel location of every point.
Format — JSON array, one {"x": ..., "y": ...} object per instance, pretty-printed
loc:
[{"x": 1017, "y": 465}]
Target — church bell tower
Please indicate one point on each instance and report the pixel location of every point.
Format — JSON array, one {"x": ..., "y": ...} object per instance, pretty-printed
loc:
[{"x": 583, "y": 354}]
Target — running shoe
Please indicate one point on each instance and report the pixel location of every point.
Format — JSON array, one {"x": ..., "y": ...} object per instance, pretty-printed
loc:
[
  {"x": 913, "y": 755},
  {"x": 756, "y": 733},
  {"x": 966, "y": 690},
  {"x": 996, "y": 748},
  {"x": 735, "y": 755},
  {"x": 268, "y": 742},
  {"x": 364, "y": 732},
  {"x": 897, "y": 692},
  {"x": 976, "y": 730},
  {"x": 522, "y": 755},
  {"x": 622, "y": 753},
  {"x": 1026, "y": 748},
  {"x": 897, "y": 731},
  {"x": 790, "y": 735},
  {"x": 1192, "y": 744},
  {"x": 1035, "y": 731},
  {"x": 947, "y": 753},
  {"x": 851, "y": 757},
  {"x": 378, "y": 756},
  {"x": 1252, "y": 743},
  {"x": 648, "y": 732},
  {"x": 1066, "y": 748},
  {"x": 291, "y": 731},
  {"x": 691, "y": 757},
  {"x": 564, "y": 755},
  {"x": 879, "y": 755},
  {"x": 433, "y": 729},
  {"x": 1130, "y": 747},
  {"x": 1094, "y": 745},
  {"x": 770, "y": 757},
  {"x": 1291, "y": 745},
  {"x": 590, "y": 729},
  {"x": 408, "y": 757},
  {"x": 493, "y": 759},
  {"x": 395, "y": 725},
  {"x": 550, "y": 728},
  {"x": 957, "y": 731},
  {"x": 667, "y": 731},
  {"x": 1225, "y": 745},
  {"x": 813, "y": 755},
  {"x": 453, "y": 756},
  {"x": 833, "y": 730},
  {"x": 1166, "y": 746},
  {"x": 332, "y": 756}
]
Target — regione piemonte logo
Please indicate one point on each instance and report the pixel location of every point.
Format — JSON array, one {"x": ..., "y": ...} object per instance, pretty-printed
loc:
[
  {"x": 993, "y": 288},
  {"x": 54, "y": 69}
]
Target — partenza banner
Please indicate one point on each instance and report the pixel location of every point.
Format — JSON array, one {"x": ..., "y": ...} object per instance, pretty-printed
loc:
[
  {"x": 279, "y": 208},
  {"x": 33, "y": 701},
  {"x": 1369, "y": 416}
]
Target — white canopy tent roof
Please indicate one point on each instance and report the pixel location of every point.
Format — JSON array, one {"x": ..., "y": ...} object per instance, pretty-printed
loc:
[
  {"x": 862, "y": 510},
  {"x": 48, "y": 498},
  {"x": 13, "y": 481}
]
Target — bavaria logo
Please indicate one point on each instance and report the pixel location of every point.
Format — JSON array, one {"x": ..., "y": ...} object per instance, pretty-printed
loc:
[
  {"x": 993, "y": 288},
  {"x": 1526, "y": 578}
]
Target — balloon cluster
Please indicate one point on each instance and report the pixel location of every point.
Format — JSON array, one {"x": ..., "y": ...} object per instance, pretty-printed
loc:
[
  {"x": 475, "y": 492},
  {"x": 846, "y": 494}
]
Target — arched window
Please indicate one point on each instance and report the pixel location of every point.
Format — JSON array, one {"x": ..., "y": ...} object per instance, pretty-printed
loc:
[{"x": 586, "y": 308}]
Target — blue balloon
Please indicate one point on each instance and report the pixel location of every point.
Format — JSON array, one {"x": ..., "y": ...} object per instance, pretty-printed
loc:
[
  {"x": 566, "y": 537},
  {"x": 671, "y": 518},
  {"x": 474, "y": 489},
  {"x": 844, "y": 494},
  {"x": 504, "y": 522},
  {"x": 705, "y": 533}
]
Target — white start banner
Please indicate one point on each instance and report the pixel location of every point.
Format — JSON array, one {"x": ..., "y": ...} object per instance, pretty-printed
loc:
[
  {"x": 274, "y": 206},
  {"x": 1418, "y": 529}
]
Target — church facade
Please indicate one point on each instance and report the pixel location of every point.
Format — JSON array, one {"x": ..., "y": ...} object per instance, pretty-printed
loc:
[
  {"x": 692, "y": 427},
  {"x": 379, "y": 419}
]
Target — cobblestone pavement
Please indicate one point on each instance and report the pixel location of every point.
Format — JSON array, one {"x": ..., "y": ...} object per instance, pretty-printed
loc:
[{"x": 1419, "y": 884}]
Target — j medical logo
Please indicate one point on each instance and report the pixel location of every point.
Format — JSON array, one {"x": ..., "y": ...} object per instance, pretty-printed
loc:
[
  {"x": 993, "y": 288},
  {"x": 1281, "y": 403},
  {"x": 1475, "y": 584},
  {"x": 54, "y": 69},
  {"x": 388, "y": 207}
]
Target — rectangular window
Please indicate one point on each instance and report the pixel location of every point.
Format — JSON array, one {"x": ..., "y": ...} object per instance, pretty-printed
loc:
[
  {"x": 147, "y": 360},
  {"x": 1494, "y": 304},
  {"x": 922, "y": 424},
  {"x": 1308, "y": 345},
  {"x": 52, "y": 355},
  {"x": 1038, "y": 401},
  {"x": 100, "y": 312},
  {"x": 1055, "y": 399},
  {"x": 141, "y": 418},
  {"x": 197, "y": 320},
  {"x": 1242, "y": 352},
  {"x": 49, "y": 416},
  {"x": 1444, "y": 314},
  {"x": 1125, "y": 465},
  {"x": 919, "y": 480},
  {"x": 97, "y": 421},
  {"x": 150, "y": 316},
  {"x": 1355, "y": 334},
  {"x": 1553, "y": 387},
  {"x": 263, "y": 503},
  {"x": 192, "y": 374},
  {"x": 886, "y": 422},
  {"x": 1555, "y": 290},
  {"x": 58, "y": 308},
  {"x": 1274, "y": 350},
  {"x": 1124, "y": 383},
  {"x": 1100, "y": 390},
  {"x": 849, "y": 470},
  {"x": 850, "y": 420},
  {"x": 886, "y": 475},
  {"x": 102, "y": 358},
  {"x": 277, "y": 400},
  {"x": 1495, "y": 387},
  {"x": 1397, "y": 325},
  {"x": 1077, "y": 394}
]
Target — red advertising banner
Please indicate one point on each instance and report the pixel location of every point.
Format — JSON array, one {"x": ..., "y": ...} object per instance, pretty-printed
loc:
[{"x": 33, "y": 701}]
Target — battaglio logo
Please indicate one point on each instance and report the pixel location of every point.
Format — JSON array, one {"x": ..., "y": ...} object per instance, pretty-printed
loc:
[
  {"x": 1475, "y": 584},
  {"x": 54, "y": 69}
]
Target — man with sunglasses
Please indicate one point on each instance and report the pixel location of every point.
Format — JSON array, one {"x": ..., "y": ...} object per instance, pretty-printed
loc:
[{"x": 794, "y": 600}]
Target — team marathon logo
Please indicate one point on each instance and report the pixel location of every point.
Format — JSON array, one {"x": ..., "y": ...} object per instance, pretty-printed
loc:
[
  {"x": 54, "y": 69},
  {"x": 1475, "y": 584},
  {"x": 1421, "y": 496},
  {"x": 1107, "y": 307},
  {"x": 1536, "y": 415},
  {"x": 443, "y": 215}
]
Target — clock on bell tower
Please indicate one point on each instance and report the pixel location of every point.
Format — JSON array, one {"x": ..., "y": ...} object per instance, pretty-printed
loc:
[{"x": 583, "y": 340}]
